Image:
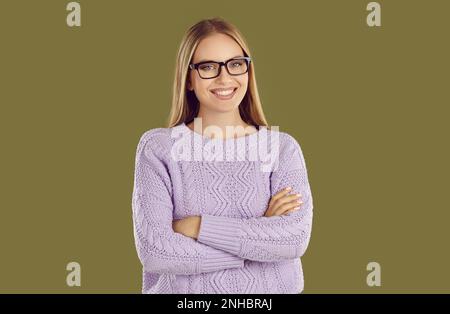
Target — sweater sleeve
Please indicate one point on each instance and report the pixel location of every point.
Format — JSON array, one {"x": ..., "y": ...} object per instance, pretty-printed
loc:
[
  {"x": 272, "y": 238},
  {"x": 159, "y": 248}
]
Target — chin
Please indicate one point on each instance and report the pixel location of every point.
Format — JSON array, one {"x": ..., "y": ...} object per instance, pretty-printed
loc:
[{"x": 224, "y": 108}]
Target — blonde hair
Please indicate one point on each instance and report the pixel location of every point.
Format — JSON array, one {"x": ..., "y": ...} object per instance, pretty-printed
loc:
[{"x": 185, "y": 104}]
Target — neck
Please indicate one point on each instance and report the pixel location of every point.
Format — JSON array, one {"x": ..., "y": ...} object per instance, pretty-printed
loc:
[{"x": 214, "y": 124}]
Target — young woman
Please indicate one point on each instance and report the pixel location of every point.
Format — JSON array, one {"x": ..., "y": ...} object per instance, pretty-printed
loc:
[{"x": 219, "y": 225}]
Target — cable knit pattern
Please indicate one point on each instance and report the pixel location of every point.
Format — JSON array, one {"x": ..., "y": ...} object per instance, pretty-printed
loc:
[{"x": 238, "y": 250}]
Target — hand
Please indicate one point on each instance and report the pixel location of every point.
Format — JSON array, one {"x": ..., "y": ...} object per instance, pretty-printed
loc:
[
  {"x": 189, "y": 226},
  {"x": 282, "y": 204}
]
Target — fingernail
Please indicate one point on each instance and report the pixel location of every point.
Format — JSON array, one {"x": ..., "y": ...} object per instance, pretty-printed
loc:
[
  {"x": 288, "y": 188},
  {"x": 297, "y": 207}
]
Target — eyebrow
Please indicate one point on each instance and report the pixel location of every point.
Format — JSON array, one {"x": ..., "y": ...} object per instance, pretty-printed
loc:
[{"x": 205, "y": 60}]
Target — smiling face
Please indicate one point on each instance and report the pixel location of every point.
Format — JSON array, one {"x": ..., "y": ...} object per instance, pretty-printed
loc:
[{"x": 214, "y": 94}]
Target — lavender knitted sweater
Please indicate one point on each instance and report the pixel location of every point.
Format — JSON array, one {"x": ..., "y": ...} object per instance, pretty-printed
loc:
[{"x": 238, "y": 250}]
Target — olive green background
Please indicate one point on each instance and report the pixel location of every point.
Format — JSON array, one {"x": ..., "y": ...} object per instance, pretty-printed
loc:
[{"x": 369, "y": 107}]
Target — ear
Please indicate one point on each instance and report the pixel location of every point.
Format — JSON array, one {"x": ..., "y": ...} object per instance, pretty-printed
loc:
[{"x": 189, "y": 85}]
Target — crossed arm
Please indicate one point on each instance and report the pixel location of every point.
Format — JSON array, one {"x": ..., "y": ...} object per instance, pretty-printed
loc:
[
  {"x": 208, "y": 243},
  {"x": 280, "y": 204}
]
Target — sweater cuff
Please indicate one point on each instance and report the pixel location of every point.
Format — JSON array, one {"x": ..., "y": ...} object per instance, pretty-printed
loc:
[
  {"x": 220, "y": 260},
  {"x": 220, "y": 232}
]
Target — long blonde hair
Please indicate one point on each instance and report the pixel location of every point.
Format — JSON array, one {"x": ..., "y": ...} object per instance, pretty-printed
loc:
[{"x": 185, "y": 105}]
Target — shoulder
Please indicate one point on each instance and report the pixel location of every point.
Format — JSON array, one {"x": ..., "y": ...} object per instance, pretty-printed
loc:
[
  {"x": 155, "y": 141},
  {"x": 288, "y": 144},
  {"x": 289, "y": 152},
  {"x": 154, "y": 136}
]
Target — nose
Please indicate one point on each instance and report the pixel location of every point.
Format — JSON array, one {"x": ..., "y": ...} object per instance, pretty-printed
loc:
[{"x": 224, "y": 76}]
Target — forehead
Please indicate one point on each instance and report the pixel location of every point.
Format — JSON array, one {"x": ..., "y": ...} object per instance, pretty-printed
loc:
[{"x": 217, "y": 47}]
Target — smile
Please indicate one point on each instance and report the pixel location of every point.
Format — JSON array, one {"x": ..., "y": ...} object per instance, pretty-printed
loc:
[{"x": 224, "y": 94}]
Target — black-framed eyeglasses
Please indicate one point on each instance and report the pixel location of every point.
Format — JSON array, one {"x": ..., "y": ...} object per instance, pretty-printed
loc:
[{"x": 211, "y": 69}]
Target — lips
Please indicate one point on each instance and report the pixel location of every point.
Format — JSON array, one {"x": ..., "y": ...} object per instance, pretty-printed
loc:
[{"x": 223, "y": 91}]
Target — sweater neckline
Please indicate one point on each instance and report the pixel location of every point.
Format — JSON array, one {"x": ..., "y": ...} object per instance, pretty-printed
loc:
[{"x": 221, "y": 140}]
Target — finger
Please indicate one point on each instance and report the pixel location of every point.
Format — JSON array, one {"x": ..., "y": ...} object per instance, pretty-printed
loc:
[
  {"x": 291, "y": 210},
  {"x": 283, "y": 200},
  {"x": 282, "y": 195},
  {"x": 287, "y": 206},
  {"x": 280, "y": 198},
  {"x": 287, "y": 199},
  {"x": 279, "y": 195},
  {"x": 288, "y": 212}
]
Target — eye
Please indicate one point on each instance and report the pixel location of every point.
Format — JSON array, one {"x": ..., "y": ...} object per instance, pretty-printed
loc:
[
  {"x": 236, "y": 64},
  {"x": 207, "y": 67}
]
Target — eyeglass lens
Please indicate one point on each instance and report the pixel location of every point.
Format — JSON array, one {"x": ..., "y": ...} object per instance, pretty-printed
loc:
[{"x": 234, "y": 67}]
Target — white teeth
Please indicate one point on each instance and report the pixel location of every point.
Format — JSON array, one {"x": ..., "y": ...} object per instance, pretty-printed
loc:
[{"x": 224, "y": 92}]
